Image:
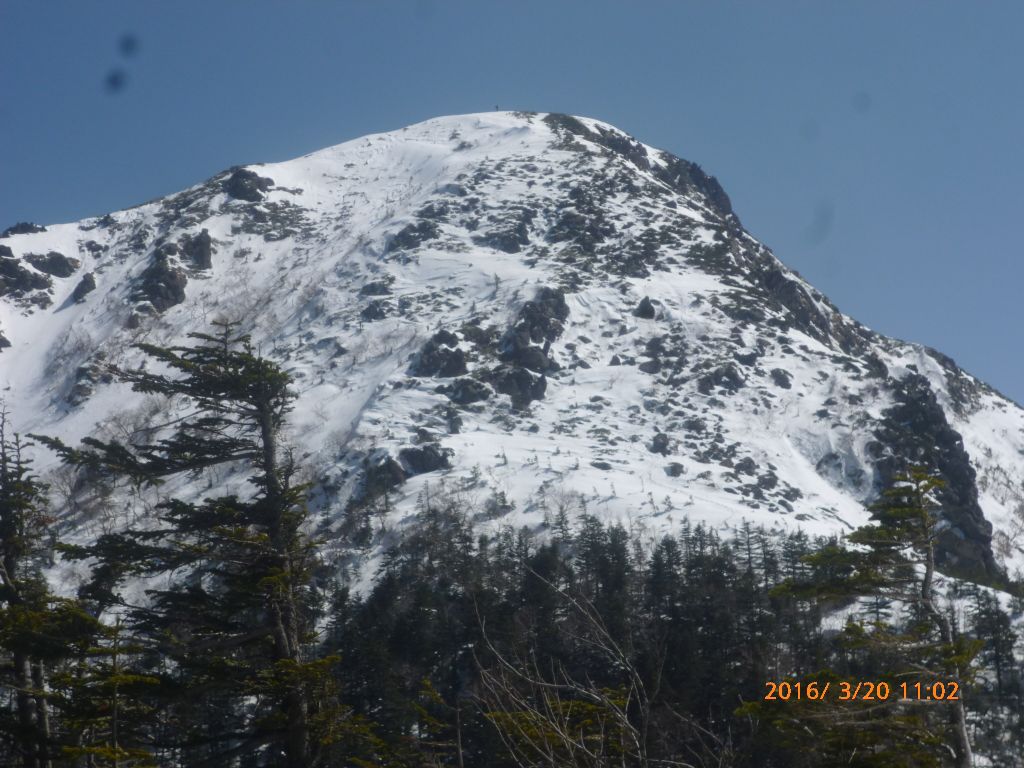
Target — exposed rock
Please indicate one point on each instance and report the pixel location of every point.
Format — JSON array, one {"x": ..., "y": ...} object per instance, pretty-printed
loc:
[
  {"x": 375, "y": 310},
  {"x": 876, "y": 368},
  {"x": 446, "y": 337},
  {"x": 4, "y": 343},
  {"x": 162, "y": 284},
  {"x": 85, "y": 286},
  {"x": 745, "y": 466},
  {"x": 600, "y": 465},
  {"x": 53, "y": 263},
  {"x": 437, "y": 359},
  {"x": 15, "y": 279},
  {"x": 645, "y": 309},
  {"x": 964, "y": 391},
  {"x": 624, "y": 145},
  {"x": 247, "y": 185},
  {"x": 583, "y": 222},
  {"x": 790, "y": 295},
  {"x": 675, "y": 469},
  {"x": 198, "y": 249},
  {"x": 376, "y": 288},
  {"x": 467, "y": 391},
  {"x": 412, "y": 236},
  {"x": 86, "y": 378},
  {"x": 687, "y": 177},
  {"x": 381, "y": 473},
  {"x": 519, "y": 384},
  {"x": 781, "y": 378},
  {"x": 915, "y": 431},
  {"x": 513, "y": 237},
  {"x": 275, "y": 220},
  {"x": 726, "y": 376},
  {"x": 539, "y": 321},
  {"x": 695, "y": 424},
  {"x": 95, "y": 248},
  {"x": 22, "y": 228},
  {"x": 425, "y": 458},
  {"x": 660, "y": 444}
]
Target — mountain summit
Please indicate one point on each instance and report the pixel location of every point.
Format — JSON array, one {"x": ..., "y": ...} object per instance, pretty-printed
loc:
[{"x": 536, "y": 312}]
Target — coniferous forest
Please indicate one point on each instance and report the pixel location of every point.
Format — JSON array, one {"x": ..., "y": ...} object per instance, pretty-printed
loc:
[{"x": 222, "y": 631}]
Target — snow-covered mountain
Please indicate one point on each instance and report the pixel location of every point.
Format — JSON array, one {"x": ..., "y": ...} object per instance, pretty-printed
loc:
[{"x": 535, "y": 312}]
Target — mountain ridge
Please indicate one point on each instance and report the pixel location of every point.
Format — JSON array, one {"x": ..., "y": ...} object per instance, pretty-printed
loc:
[{"x": 534, "y": 310}]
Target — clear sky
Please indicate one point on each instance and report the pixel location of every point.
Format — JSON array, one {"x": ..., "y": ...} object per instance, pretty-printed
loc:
[{"x": 875, "y": 146}]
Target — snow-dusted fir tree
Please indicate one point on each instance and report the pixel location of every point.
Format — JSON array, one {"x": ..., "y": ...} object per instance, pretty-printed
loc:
[{"x": 231, "y": 616}]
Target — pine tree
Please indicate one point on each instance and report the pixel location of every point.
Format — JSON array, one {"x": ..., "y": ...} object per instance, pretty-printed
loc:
[
  {"x": 23, "y": 597},
  {"x": 38, "y": 630},
  {"x": 233, "y": 612},
  {"x": 893, "y": 562}
]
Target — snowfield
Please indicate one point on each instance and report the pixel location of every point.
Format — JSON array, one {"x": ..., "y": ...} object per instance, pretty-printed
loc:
[{"x": 735, "y": 393}]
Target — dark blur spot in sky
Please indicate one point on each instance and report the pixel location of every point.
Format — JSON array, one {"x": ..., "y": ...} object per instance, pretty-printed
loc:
[
  {"x": 821, "y": 223},
  {"x": 862, "y": 102},
  {"x": 128, "y": 45},
  {"x": 115, "y": 80}
]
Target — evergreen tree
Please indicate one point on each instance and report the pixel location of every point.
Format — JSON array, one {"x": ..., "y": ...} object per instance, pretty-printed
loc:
[
  {"x": 231, "y": 616},
  {"x": 894, "y": 562},
  {"x": 24, "y": 598},
  {"x": 38, "y": 630}
]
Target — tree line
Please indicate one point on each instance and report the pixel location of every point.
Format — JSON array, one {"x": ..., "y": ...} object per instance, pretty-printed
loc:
[{"x": 215, "y": 633}]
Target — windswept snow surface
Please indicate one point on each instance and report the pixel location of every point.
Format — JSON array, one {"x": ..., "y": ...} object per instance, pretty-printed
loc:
[{"x": 350, "y": 259}]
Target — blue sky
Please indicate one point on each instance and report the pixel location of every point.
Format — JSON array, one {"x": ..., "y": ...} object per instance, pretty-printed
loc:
[{"x": 875, "y": 146}]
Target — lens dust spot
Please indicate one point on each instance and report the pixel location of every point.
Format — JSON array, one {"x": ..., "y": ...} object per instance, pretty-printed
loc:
[
  {"x": 128, "y": 45},
  {"x": 116, "y": 80},
  {"x": 821, "y": 223}
]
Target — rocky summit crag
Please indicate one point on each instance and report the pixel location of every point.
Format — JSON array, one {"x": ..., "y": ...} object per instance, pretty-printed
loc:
[{"x": 535, "y": 312}]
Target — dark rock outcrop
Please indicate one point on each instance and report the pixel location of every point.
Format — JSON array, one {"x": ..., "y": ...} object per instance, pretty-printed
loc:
[
  {"x": 519, "y": 384},
  {"x": 645, "y": 309},
  {"x": 583, "y": 222},
  {"x": 375, "y": 310},
  {"x": 424, "y": 458},
  {"x": 162, "y": 284},
  {"x": 468, "y": 391},
  {"x": 512, "y": 237},
  {"x": 687, "y": 177},
  {"x": 247, "y": 185},
  {"x": 198, "y": 249},
  {"x": 15, "y": 279},
  {"x": 781, "y": 378},
  {"x": 438, "y": 358},
  {"x": 727, "y": 377},
  {"x": 539, "y": 322},
  {"x": 381, "y": 473},
  {"x": 22, "y": 228},
  {"x": 53, "y": 263},
  {"x": 376, "y": 288},
  {"x": 412, "y": 236},
  {"x": 915, "y": 432},
  {"x": 660, "y": 444},
  {"x": 87, "y": 377},
  {"x": 85, "y": 286}
]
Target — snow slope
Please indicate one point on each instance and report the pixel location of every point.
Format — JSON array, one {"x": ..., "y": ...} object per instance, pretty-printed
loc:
[{"x": 612, "y": 341}]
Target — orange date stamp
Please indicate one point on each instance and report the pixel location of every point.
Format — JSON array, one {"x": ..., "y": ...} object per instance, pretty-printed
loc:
[{"x": 861, "y": 690}]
